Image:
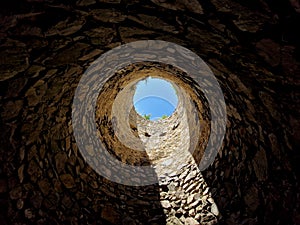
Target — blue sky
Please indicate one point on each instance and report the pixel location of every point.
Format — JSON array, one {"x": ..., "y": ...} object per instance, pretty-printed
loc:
[{"x": 156, "y": 97}]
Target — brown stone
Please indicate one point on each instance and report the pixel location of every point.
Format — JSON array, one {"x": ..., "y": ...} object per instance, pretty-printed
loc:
[
  {"x": 270, "y": 103},
  {"x": 91, "y": 55},
  {"x": 15, "y": 87},
  {"x": 66, "y": 27},
  {"x": 101, "y": 35},
  {"x": 36, "y": 200},
  {"x": 129, "y": 34},
  {"x": 11, "y": 109},
  {"x": 202, "y": 36},
  {"x": 260, "y": 165},
  {"x": 250, "y": 22},
  {"x": 34, "y": 170},
  {"x": 29, "y": 214},
  {"x": 247, "y": 20},
  {"x": 32, "y": 153},
  {"x": 153, "y": 23},
  {"x": 16, "y": 193},
  {"x": 289, "y": 64},
  {"x": 67, "y": 56},
  {"x": 85, "y": 2},
  {"x": 67, "y": 180},
  {"x": 253, "y": 95},
  {"x": 20, "y": 204},
  {"x": 51, "y": 201},
  {"x": 108, "y": 213},
  {"x": 44, "y": 186},
  {"x": 60, "y": 161},
  {"x": 269, "y": 50},
  {"x": 29, "y": 30},
  {"x": 57, "y": 185},
  {"x": 35, "y": 94},
  {"x": 182, "y": 5},
  {"x": 13, "y": 60},
  {"x": 21, "y": 173},
  {"x": 251, "y": 198},
  {"x": 108, "y": 15},
  {"x": 34, "y": 71},
  {"x": 274, "y": 145},
  {"x": 67, "y": 201}
]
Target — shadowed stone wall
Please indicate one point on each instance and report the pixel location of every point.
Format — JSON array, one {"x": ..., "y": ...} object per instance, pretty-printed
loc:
[{"x": 253, "y": 50}]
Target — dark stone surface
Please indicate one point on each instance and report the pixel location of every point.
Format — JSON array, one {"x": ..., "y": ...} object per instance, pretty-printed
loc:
[{"x": 254, "y": 51}]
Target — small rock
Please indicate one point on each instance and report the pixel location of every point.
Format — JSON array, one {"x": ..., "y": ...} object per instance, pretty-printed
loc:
[
  {"x": 44, "y": 186},
  {"x": 153, "y": 22},
  {"x": 174, "y": 205},
  {"x": 36, "y": 200},
  {"x": 214, "y": 209},
  {"x": 174, "y": 221},
  {"x": 192, "y": 212},
  {"x": 108, "y": 15},
  {"x": 206, "y": 191},
  {"x": 14, "y": 61},
  {"x": 29, "y": 214},
  {"x": 20, "y": 204},
  {"x": 16, "y": 193},
  {"x": 190, "y": 199},
  {"x": 191, "y": 221},
  {"x": 269, "y": 50},
  {"x": 67, "y": 180},
  {"x": 260, "y": 165},
  {"x": 195, "y": 203},
  {"x": 109, "y": 214},
  {"x": 172, "y": 186},
  {"x": 11, "y": 109},
  {"x": 20, "y": 173},
  {"x": 182, "y": 5},
  {"x": 251, "y": 198},
  {"x": 191, "y": 187},
  {"x": 90, "y": 55},
  {"x": 66, "y": 27},
  {"x": 85, "y": 2},
  {"x": 165, "y": 204},
  {"x": 128, "y": 221},
  {"x": 60, "y": 161},
  {"x": 163, "y": 195},
  {"x": 190, "y": 176},
  {"x": 34, "y": 170}
]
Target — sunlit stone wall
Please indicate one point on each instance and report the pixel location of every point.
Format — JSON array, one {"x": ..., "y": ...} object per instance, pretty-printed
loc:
[{"x": 138, "y": 141}]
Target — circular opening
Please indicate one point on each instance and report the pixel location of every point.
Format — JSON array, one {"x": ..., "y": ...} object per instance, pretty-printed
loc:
[
  {"x": 134, "y": 140},
  {"x": 155, "y": 98}
]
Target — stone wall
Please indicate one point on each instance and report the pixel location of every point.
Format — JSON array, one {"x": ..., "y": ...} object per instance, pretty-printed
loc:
[
  {"x": 134, "y": 136},
  {"x": 252, "y": 48}
]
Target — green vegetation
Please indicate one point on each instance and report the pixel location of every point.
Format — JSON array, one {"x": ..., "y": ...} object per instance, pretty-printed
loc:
[
  {"x": 164, "y": 117},
  {"x": 147, "y": 117}
]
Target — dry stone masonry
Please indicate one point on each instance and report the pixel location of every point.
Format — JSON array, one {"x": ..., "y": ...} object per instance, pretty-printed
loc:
[{"x": 252, "y": 48}]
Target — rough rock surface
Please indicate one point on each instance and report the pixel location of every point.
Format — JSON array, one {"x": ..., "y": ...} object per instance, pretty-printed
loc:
[{"x": 253, "y": 49}]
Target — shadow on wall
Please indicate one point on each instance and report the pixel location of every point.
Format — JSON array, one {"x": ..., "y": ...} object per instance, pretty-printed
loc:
[
  {"x": 130, "y": 204},
  {"x": 127, "y": 204}
]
